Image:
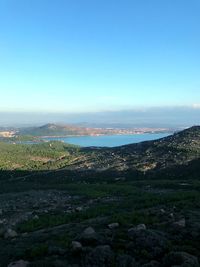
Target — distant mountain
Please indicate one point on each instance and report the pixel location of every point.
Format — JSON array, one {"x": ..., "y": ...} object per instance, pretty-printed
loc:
[
  {"x": 60, "y": 130},
  {"x": 75, "y": 130}
]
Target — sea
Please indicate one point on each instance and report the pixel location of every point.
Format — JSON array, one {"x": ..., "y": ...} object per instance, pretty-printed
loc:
[{"x": 108, "y": 140}]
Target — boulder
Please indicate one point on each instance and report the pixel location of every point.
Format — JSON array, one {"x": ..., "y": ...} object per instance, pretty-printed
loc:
[
  {"x": 113, "y": 225},
  {"x": 78, "y": 209},
  {"x": 125, "y": 261},
  {"x": 89, "y": 231},
  {"x": 154, "y": 243},
  {"x": 180, "y": 259},
  {"x": 53, "y": 250},
  {"x": 89, "y": 237},
  {"x": 139, "y": 227},
  {"x": 2, "y": 231},
  {"x": 152, "y": 264},
  {"x": 76, "y": 246},
  {"x": 101, "y": 256},
  {"x": 20, "y": 263},
  {"x": 180, "y": 224},
  {"x": 10, "y": 234}
]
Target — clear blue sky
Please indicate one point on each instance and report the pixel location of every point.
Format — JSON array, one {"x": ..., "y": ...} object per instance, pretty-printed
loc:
[{"x": 91, "y": 55}]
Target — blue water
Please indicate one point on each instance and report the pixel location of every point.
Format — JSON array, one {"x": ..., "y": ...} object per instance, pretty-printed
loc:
[{"x": 108, "y": 140}]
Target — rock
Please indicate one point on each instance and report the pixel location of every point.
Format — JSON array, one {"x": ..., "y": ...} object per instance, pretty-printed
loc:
[
  {"x": 152, "y": 264},
  {"x": 76, "y": 246},
  {"x": 162, "y": 211},
  {"x": 139, "y": 227},
  {"x": 89, "y": 237},
  {"x": 60, "y": 263},
  {"x": 78, "y": 209},
  {"x": 56, "y": 251},
  {"x": 89, "y": 231},
  {"x": 113, "y": 225},
  {"x": 125, "y": 261},
  {"x": 19, "y": 263},
  {"x": 101, "y": 256},
  {"x": 36, "y": 217},
  {"x": 2, "y": 231},
  {"x": 181, "y": 223},
  {"x": 180, "y": 259},
  {"x": 153, "y": 242},
  {"x": 10, "y": 234}
]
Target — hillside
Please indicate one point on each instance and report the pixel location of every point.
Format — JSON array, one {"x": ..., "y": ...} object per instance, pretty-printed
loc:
[
  {"x": 131, "y": 206},
  {"x": 177, "y": 149}
]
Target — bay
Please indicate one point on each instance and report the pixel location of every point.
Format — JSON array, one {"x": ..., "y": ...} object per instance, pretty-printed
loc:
[{"x": 108, "y": 140}]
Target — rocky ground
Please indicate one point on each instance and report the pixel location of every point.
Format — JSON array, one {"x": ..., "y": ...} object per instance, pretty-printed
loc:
[{"x": 136, "y": 227}]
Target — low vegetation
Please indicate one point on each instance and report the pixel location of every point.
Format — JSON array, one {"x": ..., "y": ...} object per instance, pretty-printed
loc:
[{"x": 56, "y": 211}]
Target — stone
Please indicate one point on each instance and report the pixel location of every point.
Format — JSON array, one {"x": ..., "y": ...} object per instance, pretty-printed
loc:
[
  {"x": 2, "y": 231},
  {"x": 154, "y": 242},
  {"x": 89, "y": 231},
  {"x": 10, "y": 234},
  {"x": 152, "y": 264},
  {"x": 20, "y": 263},
  {"x": 89, "y": 237},
  {"x": 36, "y": 217},
  {"x": 101, "y": 256},
  {"x": 76, "y": 246},
  {"x": 180, "y": 259},
  {"x": 139, "y": 227},
  {"x": 78, "y": 209},
  {"x": 181, "y": 223},
  {"x": 125, "y": 261},
  {"x": 53, "y": 250},
  {"x": 113, "y": 225}
]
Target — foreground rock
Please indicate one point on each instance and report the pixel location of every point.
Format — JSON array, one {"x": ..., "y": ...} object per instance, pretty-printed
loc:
[
  {"x": 10, "y": 234},
  {"x": 180, "y": 259},
  {"x": 125, "y": 261},
  {"x": 113, "y": 225},
  {"x": 89, "y": 237},
  {"x": 76, "y": 246},
  {"x": 20, "y": 263},
  {"x": 153, "y": 242},
  {"x": 101, "y": 256}
]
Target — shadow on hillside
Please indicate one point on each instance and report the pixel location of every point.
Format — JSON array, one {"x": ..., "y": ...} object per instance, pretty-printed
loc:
[{"x": 22, "y": 180}]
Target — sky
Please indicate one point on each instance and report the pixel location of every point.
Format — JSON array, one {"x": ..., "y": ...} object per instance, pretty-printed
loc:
[{"x": 99, "y": 55}]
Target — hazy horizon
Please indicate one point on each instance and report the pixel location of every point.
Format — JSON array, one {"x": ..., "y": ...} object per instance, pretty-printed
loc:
[{"x": 149, "y": 117}]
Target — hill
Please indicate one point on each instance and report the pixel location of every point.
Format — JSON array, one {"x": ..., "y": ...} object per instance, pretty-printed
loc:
[
  {"x": 134, "y": 205},
  {"x": 74, "y": 130},
  {"x": 177, "y": 149}
]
